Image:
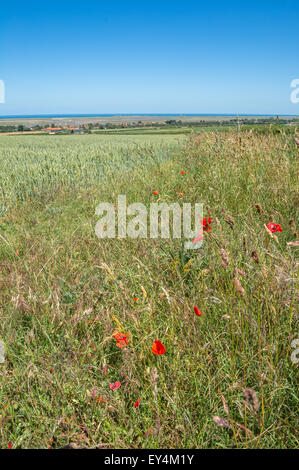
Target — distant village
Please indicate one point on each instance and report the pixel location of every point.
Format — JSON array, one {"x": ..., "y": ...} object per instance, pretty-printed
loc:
[{"x": 13, "y": 127}]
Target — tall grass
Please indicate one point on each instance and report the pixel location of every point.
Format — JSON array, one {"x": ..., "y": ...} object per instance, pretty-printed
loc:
[{"x": 227, "y": 379}]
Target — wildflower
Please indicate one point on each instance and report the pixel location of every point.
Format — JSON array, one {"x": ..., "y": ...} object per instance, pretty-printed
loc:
[
  {"x": 9, "y": 445},
  {"x": 121, "y": 339},
  {"x": 156, "y": 193},
  {"x": 182, "y": 172},
  {"x": 136, "y": 405},
  {"x": 274, "y": 227},
  {"x": 93, "y": 393},
  {"x": 17, "y": 252},
  {"x": 135, "y": 299},
  {"x": 197, "y": 311},
  {"x": 180, "y": 195},
  {"x": 206, "y": 223},
  {"x": 158, "y": 348},
  {"x": 114, "y": 386}
]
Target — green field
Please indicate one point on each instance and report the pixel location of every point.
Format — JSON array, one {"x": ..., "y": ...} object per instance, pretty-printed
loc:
[
  {"x": 64, "y": 292},
  {"x": 39, "y": 166}
]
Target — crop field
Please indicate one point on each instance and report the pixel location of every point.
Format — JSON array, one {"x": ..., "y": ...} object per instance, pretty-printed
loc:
[
  {"x": 39, "y": 166},
  {"x": 138, "y": 343}
]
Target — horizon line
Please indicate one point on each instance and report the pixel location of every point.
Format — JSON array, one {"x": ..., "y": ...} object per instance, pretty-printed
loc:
[{"x": 61, "y": 115}]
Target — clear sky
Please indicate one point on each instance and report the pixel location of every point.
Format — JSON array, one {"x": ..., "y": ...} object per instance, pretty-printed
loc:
[{"x": 149, "y": 57}]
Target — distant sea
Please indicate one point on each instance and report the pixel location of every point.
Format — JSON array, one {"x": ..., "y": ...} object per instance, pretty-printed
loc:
[{"x": 53, "y": 116}]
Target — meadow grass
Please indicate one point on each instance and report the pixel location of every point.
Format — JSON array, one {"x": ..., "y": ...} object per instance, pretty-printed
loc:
[{"x": 65, "y": 292}]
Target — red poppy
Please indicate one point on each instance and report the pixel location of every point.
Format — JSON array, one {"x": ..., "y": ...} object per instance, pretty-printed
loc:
[
  {"x": 121, "y": 339},
  {"x": 206, "y": 223},
  {"x": 114, "y": 386},
  {"x": 9, "y": 445},
  {"x": 158, "y": 348},
  {"x": 156, "y": 193},
  {"x": 136, "y": 405},
  {"x": 197, "y": 311},
  {"x": 274, "y": 227},
  {"x": 17, "y": 253},
  {"x": 182, "y": 172},
  {"x": 135, "y": 299}
]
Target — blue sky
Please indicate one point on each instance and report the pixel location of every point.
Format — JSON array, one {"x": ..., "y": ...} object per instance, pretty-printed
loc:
[{"x": 149, "y": 57}]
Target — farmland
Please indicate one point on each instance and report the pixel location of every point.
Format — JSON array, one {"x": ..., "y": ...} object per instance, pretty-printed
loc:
[{"x": 227, "y": 379}]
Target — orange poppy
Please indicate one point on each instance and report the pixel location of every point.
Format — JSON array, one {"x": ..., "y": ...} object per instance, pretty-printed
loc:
[{"x": 121, "y": 339}]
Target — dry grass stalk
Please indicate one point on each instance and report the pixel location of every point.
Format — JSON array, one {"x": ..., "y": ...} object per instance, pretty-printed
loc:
[
  {"x": 255, "y": 256},
  {"x": 225, "y": 407},
  {"x": 225, "y": 258},
  {"x": 250, "y": 396},
  {"x": 269, "y": 234},
  {"x": 23, "y": 304},
  {"x": 296, "y": 243},
  {"x": 245, "y": 245},
  {"x": 229, "y": 220},
  {"x": 238, "y": 286},
  {"x": 259, "y": 208},
  {"x": 154, "y": 380},
  {"x": 221, "y": 422},
  {"x": 293, "y": 228},
  {"x": 240, "y": 272}
]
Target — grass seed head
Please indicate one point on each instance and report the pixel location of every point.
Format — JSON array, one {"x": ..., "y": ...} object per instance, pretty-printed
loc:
[{"x": 250, "y": 396}]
